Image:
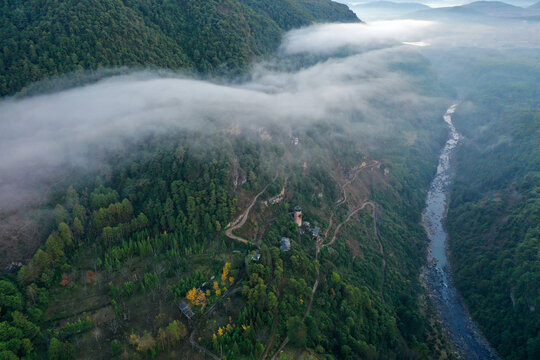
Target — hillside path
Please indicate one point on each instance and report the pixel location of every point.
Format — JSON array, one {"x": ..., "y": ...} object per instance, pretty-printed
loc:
[
  {"x": 241, "y": 220},
  {"x": 319, "y": 243}
]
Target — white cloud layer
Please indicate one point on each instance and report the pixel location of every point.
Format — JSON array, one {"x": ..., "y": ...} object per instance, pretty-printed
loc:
[
  {"x": 45, "y": 130},
  {"x": 352, "y": 75},
  {"x": 328, "y": 38}
]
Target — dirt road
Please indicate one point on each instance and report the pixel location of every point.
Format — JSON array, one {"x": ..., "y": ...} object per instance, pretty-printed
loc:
[{"x": 241, "y": 220}]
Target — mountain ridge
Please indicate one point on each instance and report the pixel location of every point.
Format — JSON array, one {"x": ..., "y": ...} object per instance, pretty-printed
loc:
[
  {"x": 40, "y": 39},
  {"x": 479, "y": 10}
]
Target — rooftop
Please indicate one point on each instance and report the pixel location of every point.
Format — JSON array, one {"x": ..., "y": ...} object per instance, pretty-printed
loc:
[{"x": 285, "y": 244}]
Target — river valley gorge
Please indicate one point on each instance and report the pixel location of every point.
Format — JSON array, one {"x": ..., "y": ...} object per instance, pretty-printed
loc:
[{"x": 461, "y": 328}]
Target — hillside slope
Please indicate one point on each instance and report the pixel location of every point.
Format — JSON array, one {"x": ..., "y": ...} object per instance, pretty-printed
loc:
[
  {"x": 135, "y": 236},
  {"x": 494, "y": 213},
  {"x": 39, "y": 39},
  {"x": 125, "y": 252}
]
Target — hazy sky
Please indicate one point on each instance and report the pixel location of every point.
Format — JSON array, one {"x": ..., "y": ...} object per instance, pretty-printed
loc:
[
  {"x": 404, "y": 9},
  {"x": 435, "y": 3}
]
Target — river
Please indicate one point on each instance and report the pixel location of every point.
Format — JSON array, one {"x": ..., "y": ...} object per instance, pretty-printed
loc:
[{"x": 462, "y": 330}]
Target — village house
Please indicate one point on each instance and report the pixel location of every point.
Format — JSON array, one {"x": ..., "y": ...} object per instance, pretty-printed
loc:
[
  {"x": 184, "y": 308},
  {"x": 285, "y": 244}
]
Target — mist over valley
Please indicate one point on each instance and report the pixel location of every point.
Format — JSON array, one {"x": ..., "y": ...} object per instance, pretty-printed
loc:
[{"x": 256, "y": 179}]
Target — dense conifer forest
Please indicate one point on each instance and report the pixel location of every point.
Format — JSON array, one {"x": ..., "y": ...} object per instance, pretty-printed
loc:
[
  {"x": 138, "y": 238},
  {"x": 42, "y": 39},
  {"x": 180, "y": 239},
  {"x": 130, "y": 245}
]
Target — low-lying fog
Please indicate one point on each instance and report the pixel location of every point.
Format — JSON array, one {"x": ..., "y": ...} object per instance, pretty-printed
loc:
[
  {"x": 373, "y": 78},
  {"x": 354, "y": 77}
]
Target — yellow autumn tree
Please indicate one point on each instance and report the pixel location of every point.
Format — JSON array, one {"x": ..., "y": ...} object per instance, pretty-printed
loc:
[
  {"x": 225, "y": 272},
  {"x": 192, "y": 295},
  {"x": 200, "y": 300},
  {"x": 217, "y": 290},
  {"x": 197, "y": 297}
]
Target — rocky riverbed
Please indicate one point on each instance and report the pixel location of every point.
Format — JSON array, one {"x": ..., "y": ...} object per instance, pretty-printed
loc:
[{"x": 462, "y": 329}]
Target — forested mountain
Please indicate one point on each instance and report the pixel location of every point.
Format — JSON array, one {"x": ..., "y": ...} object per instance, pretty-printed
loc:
[
  {"x": 128, "y": 246},
  {"x": 159, "y": 225},
  {"x": 494, "y": 214},
  {"x": 167, "y": 207},
  {"x": 124, "y": 251},
  {"x": 39, "y": 39}
]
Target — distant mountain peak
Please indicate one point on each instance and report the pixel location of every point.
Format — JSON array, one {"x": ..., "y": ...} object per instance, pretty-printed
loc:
[
  {"x": 482, "y": 10},
  {"x": 490, "y": 5}
]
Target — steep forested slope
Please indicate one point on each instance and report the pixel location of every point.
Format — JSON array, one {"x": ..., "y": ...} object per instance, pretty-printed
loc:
[
  {"x": 40, "y": 38},
  {"x": 144, "y": 232},
  {"x": 494, "y": 213},
  {"x": 141, "y": 236},
  {"x": 130, "y": 244}
]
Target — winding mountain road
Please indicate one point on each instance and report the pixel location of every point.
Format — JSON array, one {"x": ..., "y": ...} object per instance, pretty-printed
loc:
[
  {"x": 241, "y": 220},
  {"x": 344, "y": 196},
  {"x": 319, "y": 244}
]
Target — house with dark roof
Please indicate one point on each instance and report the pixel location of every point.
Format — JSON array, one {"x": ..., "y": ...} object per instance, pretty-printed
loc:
[
  {"x": 285, "y": 244},
  {"x": 184, "y": 308}
]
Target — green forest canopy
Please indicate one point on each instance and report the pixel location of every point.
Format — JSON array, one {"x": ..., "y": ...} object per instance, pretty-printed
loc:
[{"x": 40, "y": 39}]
